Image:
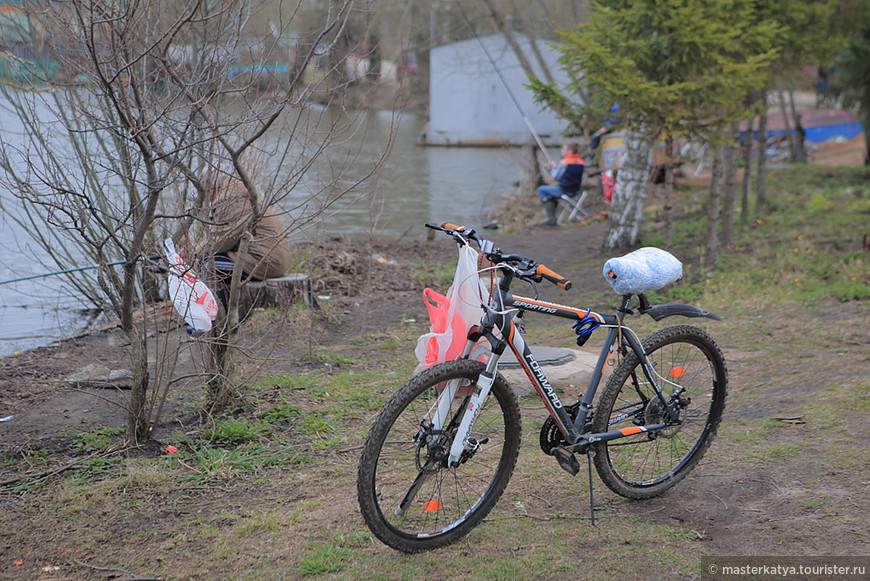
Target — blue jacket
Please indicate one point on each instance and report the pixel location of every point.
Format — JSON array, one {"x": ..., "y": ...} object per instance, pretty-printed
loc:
[{"x": 569, "y": 173}]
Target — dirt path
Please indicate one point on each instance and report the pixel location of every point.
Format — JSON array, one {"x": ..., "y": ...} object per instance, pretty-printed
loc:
[{"x": 785, "y": 476}]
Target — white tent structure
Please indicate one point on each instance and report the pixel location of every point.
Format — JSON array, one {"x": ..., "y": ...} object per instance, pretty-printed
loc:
[{"x": 469, "y": 104}]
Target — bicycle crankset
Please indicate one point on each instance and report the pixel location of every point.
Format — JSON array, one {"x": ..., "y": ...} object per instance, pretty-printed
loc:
[{"x": 551, "y": 435}]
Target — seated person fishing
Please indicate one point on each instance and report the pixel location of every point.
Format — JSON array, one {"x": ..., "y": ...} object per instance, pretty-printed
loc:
[
  {"x": 224, "y": 222},
  {"x": 568, "y": 175}
]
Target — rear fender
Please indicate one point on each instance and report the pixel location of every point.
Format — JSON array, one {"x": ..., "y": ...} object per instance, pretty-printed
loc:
[{"x": 659, "y": 312}]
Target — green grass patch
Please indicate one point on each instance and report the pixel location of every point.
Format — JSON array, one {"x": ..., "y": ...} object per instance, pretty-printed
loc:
[
  {"x": 324, "y": 558},
  {"x": 283, "y": 413},
  {"x": 808, "y": 248},
  {"x": 328, "y": 357},
  {"x": 236, "y": 431},
  {"x": 96, "y": 440},
  {"x": 433, "y": 274}
]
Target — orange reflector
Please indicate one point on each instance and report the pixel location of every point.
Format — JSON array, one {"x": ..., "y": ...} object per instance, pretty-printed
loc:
[
  {"x": 677, "y": 372},
  {"x": 432, "y": 506}
]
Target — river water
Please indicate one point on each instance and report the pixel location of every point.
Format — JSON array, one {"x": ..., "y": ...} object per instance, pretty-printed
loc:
[{"x": 417, "y": 185}]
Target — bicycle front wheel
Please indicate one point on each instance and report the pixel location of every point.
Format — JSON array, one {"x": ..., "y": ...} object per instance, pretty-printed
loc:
[
  {"x": 409, "y": 497},
  {"x": 690, "y": 369}
]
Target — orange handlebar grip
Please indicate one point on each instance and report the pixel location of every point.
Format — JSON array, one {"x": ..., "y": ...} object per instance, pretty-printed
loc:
[{"x": 553, "y": 276}]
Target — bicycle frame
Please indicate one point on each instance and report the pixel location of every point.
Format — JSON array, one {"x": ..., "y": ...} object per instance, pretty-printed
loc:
[{"x": 499, "y": 315}]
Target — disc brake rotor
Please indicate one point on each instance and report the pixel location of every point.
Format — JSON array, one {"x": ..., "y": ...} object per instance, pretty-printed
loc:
[{"x": 655, "y": 413}]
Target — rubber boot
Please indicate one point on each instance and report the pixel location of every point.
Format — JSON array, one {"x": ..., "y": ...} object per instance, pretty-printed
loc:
[{"x": 549, "y": 208}]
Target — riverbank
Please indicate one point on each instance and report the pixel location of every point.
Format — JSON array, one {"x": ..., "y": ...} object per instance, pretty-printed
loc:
[{"x": 269, "y": 491}]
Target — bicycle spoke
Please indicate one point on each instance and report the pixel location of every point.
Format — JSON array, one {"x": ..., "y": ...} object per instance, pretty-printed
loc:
[
  {"x": 410, "y": 497},
  {"x": 690, "y": 371}
]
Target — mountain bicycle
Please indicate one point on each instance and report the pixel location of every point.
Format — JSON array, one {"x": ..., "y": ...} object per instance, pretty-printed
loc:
[{"x": 440, "y": 453}]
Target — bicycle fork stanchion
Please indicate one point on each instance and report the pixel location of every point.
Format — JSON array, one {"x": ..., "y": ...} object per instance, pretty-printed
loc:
[
  {"x": 442, "y": 404},
  {"x": 462, "y": 444}
]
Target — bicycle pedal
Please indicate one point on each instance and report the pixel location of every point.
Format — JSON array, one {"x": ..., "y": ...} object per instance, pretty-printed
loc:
[{"x": 567, "y": 461}]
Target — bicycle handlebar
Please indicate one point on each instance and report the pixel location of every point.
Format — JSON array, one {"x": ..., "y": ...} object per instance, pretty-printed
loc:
[
  {"x": 554, "y": 277},
  {"x": 526, "y": 267}
]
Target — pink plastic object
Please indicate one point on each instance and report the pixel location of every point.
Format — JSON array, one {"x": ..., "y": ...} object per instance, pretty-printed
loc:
[
  {"x": 191, "y": 297},
  {"x": 439, "y": 311},
  {"x": 608, "y": 184}
]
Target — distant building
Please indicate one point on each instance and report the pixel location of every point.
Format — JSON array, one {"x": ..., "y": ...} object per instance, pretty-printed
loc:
[
  {"x": 469, "y": 105},
  {"x": 14, "y": 24},
  {"x": 20, "y": 62}
]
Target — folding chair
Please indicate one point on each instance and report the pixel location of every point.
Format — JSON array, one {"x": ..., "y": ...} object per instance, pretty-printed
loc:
[{"x": 572, "y": 208}]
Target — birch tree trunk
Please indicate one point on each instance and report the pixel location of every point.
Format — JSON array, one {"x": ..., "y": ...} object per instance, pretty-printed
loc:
[{"x": 629, "y": 196}]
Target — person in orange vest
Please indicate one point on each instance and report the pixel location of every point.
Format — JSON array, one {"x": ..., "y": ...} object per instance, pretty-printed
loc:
[{"x": 568, "y": 175}]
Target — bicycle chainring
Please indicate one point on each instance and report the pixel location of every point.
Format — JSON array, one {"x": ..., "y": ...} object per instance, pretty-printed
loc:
[{"x": 551, "y": 435}]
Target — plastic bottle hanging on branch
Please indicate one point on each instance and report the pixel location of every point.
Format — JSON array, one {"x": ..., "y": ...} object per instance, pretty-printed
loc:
[{"x": 193, "y": 300}]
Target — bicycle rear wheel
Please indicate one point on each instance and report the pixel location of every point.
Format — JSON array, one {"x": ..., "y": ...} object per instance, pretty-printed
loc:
[
  {"x": 686, "y": 361},
  {"x": 410, "y": 499}
]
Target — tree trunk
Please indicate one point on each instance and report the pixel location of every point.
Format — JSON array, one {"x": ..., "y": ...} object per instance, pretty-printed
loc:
[
  {"x": 629, "y": 196},
  {"x": 729, "y": 193},
  {"x": 789, "y": 138},
  {"x": 713, "y": 209},
  {"x": 536, "y": 178},
  {"x": 669, "y": 193},
  {"x": 509, "y": 37},
  {"x": 865, "y": 119},
  {"x": 533, "y": 46},
  {"x": 137, "y": 423},
  {"x": 761, "y": 180},
  {"x": 867, "y": 138},
  {"x": 800, "y": 152},
  {"x": 747, "y": 173},
  {"x": 225, "y": 335}
]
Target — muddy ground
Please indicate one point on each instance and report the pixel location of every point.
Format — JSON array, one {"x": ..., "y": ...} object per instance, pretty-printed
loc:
[{"x": 787, "y": 476}]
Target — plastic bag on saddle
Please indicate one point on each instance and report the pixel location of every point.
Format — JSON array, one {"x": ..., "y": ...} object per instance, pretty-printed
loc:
[
  {"x": 451, "y": 316},
  {"x": 644, "y": 270}
]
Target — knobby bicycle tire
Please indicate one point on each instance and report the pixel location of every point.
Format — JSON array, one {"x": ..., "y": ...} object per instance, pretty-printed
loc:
[
  {"x": 410, "y": 499},
  {"x": 647, "y": 464}
]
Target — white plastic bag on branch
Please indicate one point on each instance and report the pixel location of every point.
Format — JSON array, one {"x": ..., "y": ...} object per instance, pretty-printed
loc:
[{"x": 191, "y": 297}]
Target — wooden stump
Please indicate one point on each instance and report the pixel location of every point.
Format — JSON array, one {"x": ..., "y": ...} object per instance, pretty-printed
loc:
[{"x": 278, "y": 292}]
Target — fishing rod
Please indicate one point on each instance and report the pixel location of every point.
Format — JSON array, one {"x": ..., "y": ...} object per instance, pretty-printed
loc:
[
  {"x": 504, "y": 84},
  {"x": 72, "y": 270}
]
